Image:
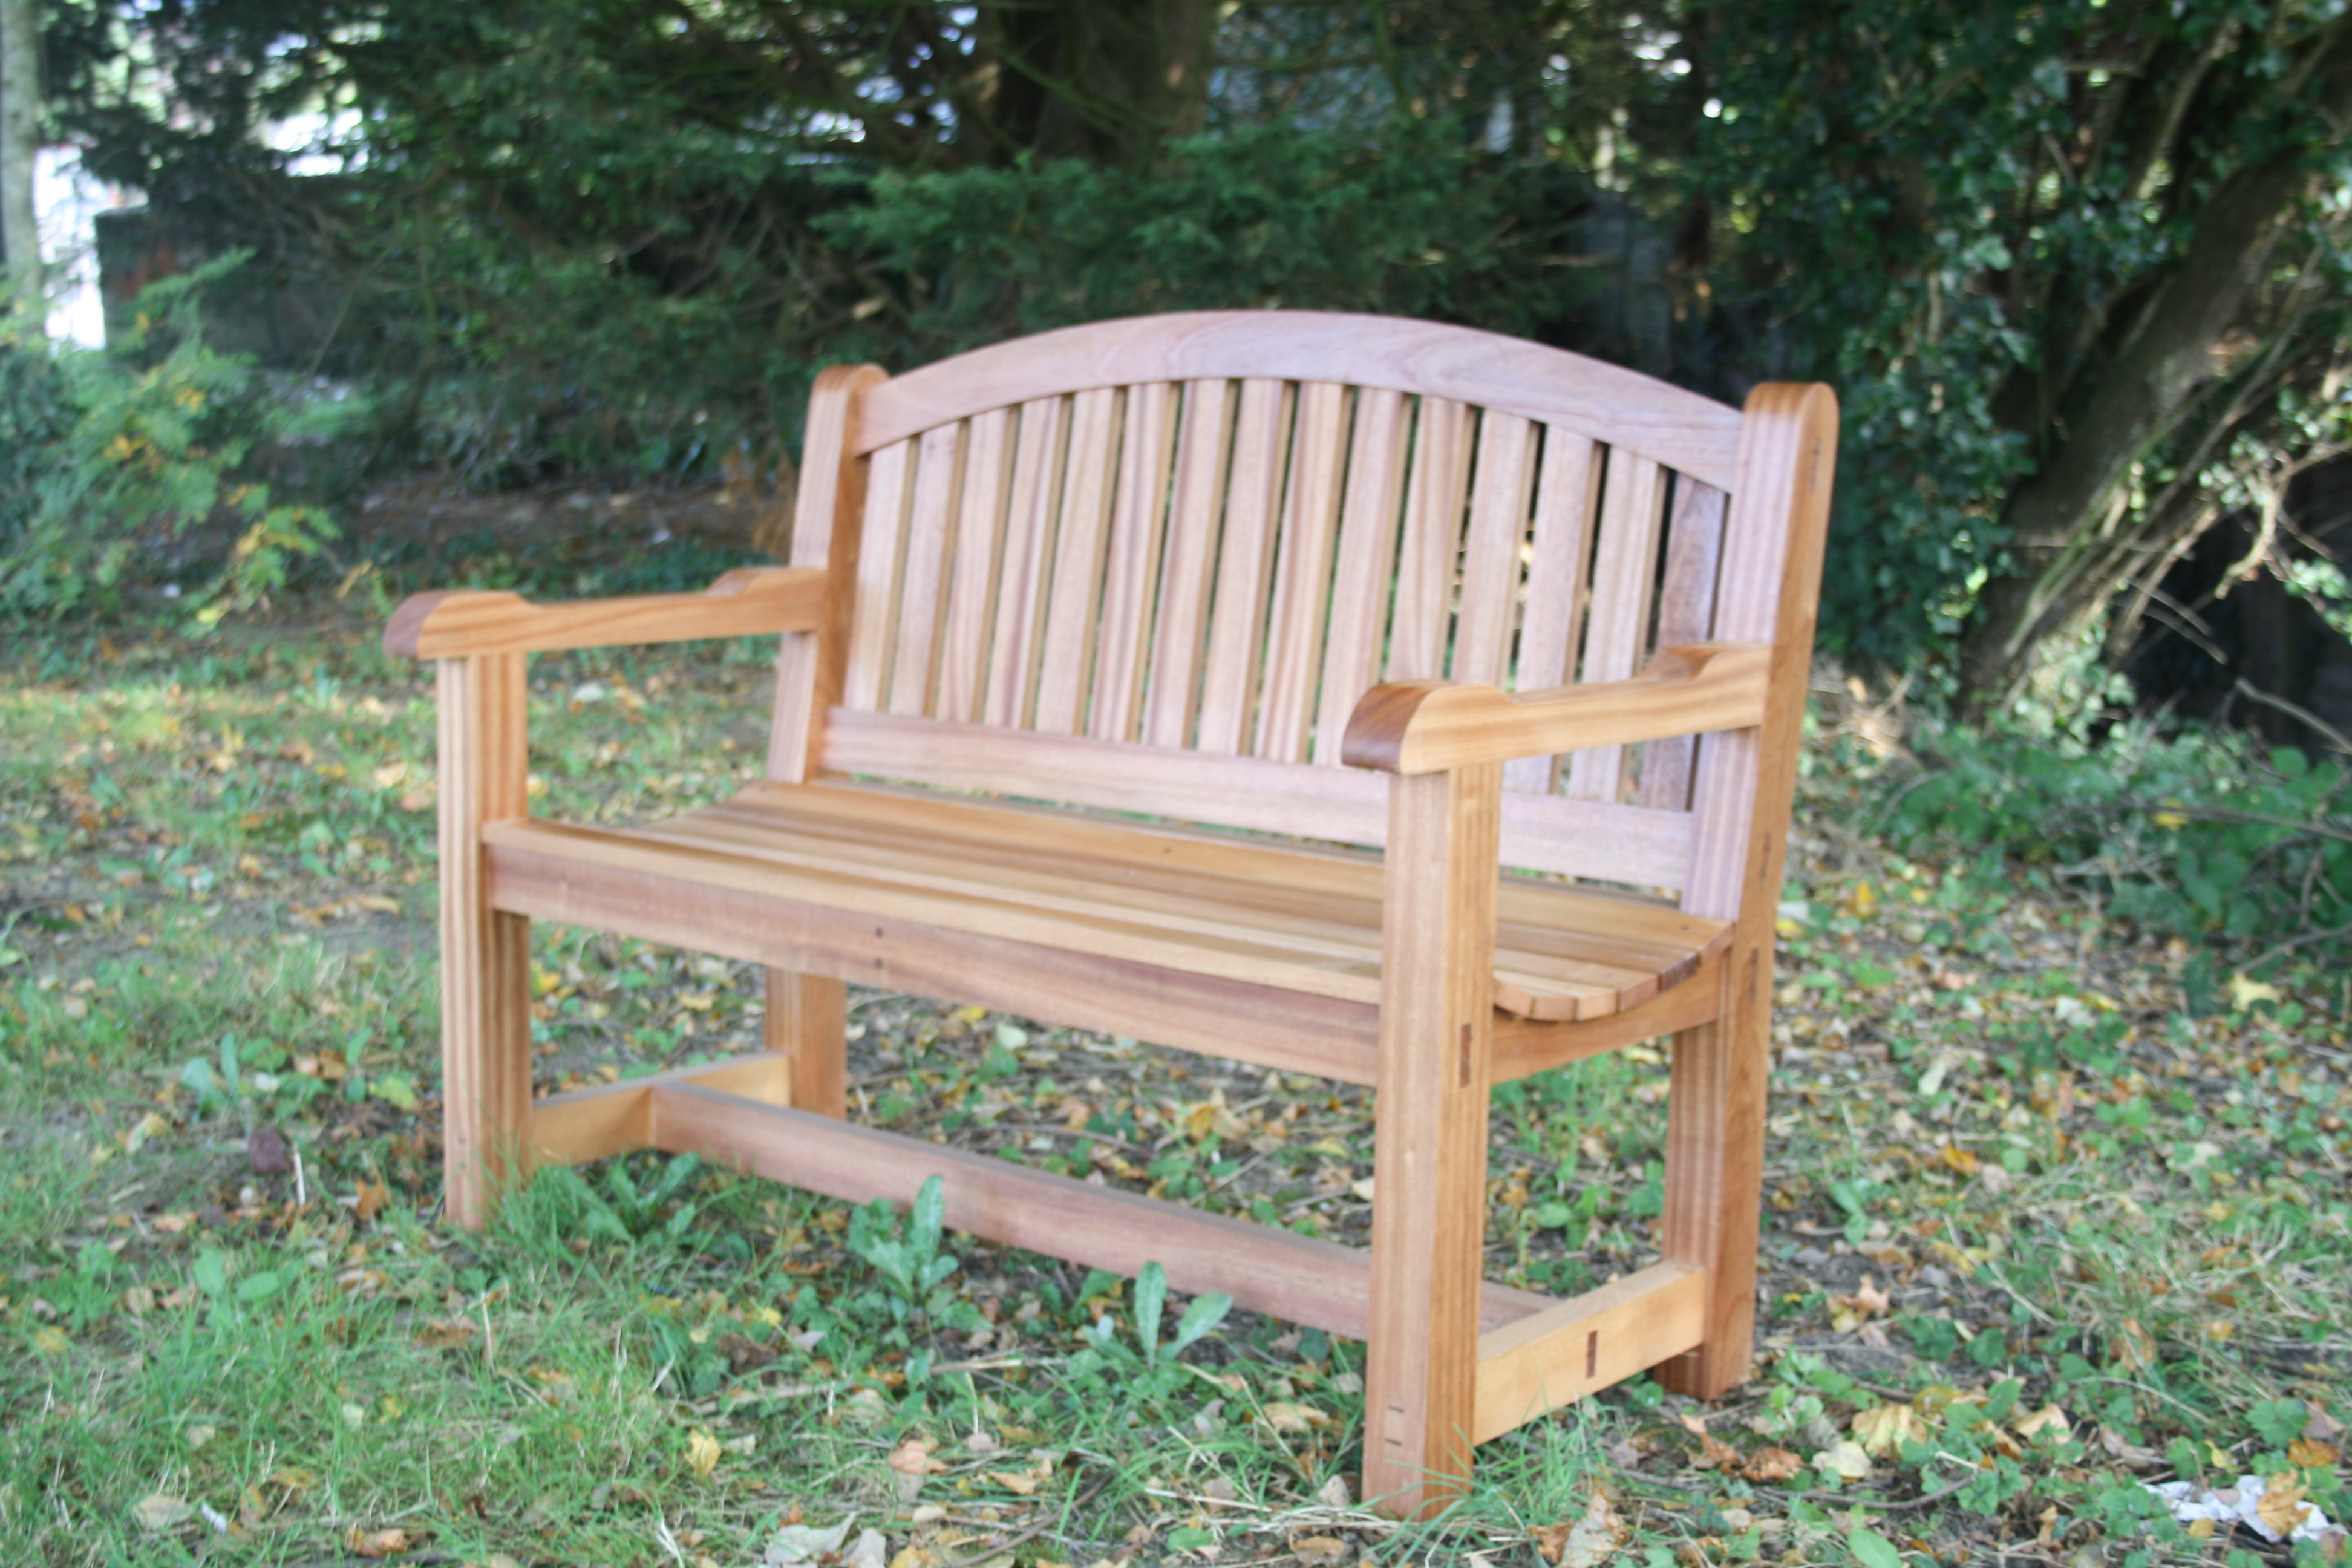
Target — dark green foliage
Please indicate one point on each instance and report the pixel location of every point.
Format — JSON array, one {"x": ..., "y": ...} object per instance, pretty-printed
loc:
[
  {"x": 2199, "y": 835},
  {"x": 1407, "y": 222}
]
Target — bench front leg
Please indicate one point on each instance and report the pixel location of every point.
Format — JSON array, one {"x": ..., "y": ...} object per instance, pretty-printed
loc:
[
  {"x": 1429, "y": 1171},
  {"x": 485, "y": 954}
]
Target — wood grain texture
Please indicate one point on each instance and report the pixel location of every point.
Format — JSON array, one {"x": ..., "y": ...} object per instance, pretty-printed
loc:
[
  {"x": 1429, "y": 1167},
  {"x": 1741, "y": 796},
  {"x": 1587, "y": 1343},
  {"x": 1431, "y": 541},
  {"x": 1302, "y": 583},
  {"x": 750, "y": 600},
  {"x": 1067, "y": 662},
  {"x": 1607, "y": 840},
  {"x": 1261, "y": 1025},
  {"x": 1685, "y": 615},
  {"x": 1195, "y": 510},
  {"x": 485, "y": 952},
  {"x": 923, "y": 579},
  {"x": 1499, "y": 494},
  {"x": 1425, "y": 726},
  {"x": 1319, "y": 1283},
  {"x": 1131, "y": 573},
  {"x": 1618, "y": 407},
  {"x": 881, "y": 553},
  {"x": 979, "y": 553},
  {"x": 805, "y": 1026},
  {"x": 828, "y": 513},
  {"x": 1525, "y": 1045},
  {"x": 1027, "y": 577},
  {"x": 1617, "y": 628},
  {"x": 612, "y": 1118},
  {"x": 1365, "y": 576},
  {"x": 1566, "y": 495},
  {"x": 1229, "y": 676}
]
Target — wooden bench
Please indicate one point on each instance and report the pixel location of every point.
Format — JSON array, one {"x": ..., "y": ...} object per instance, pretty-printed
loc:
[{"x": 1509, "y": 645}]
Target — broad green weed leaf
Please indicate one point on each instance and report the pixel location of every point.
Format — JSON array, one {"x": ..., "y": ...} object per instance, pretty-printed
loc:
[
  {"x": 1203, "y": 1313},
  {"x": 1150, "y": 1300},
  {"x": 1872, "y": 1549}
]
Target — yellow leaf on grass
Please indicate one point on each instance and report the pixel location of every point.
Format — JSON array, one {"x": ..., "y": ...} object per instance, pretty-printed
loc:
[
  {"x": 2282, "y": 1507},
  {"x": 1019, "y": 1482},
  {"x": 702, "y": 1453},
  {"x": 2048, "y": 1418},
  {"x": 1285, "y": 1417},
  {"x": 1883, "y": 1429},
  {"x": 2313, "y": 1456},
  {"x": 2245, "y": 992},
  {"x": 1843, "y": 1458}
]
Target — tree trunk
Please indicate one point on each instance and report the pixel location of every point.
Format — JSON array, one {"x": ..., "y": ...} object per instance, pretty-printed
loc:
[
  {"x": 20, "y": 138},
  {"x": 2060, "y": 521}
]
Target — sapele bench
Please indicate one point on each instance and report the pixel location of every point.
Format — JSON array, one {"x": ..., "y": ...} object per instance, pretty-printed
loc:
[{"x": 1525, "y": 630}]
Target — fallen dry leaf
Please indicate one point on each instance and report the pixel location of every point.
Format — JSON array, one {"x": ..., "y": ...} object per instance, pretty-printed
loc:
[
  {"x": 1883, "y": 1429},
  {"x": 376, "y": 1542},
  {"x": 1020, "y": 1481},
  {"x": 454, "y": 1334},
  {"x": 2282, "y": 1506},
  {"x": 1284, "y": 1417},
  {"x": 2312, "y": 1456},
  {"x": 2048, "y": 1418},
  {"x": 913, "y": 1457},
  {"x": 702, "y": 1453},
  {"x": 1712, "y": 1450},
  {"x": 1771, "y": 1465},
  {"x": 1844, "y": 1459},
  {"x": 372, "y": 1196},
  {"x": 1320, "y": 1549},
  {"x": 1586, "y": 1543},
  {"x": 159, "y": 1513}
]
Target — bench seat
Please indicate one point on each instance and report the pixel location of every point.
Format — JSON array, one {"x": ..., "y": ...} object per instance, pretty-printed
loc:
[{"x": 1270, "y": 917}]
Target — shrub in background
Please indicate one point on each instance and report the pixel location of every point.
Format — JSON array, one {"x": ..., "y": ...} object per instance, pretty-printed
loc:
[{"x": 129, "y": 455}]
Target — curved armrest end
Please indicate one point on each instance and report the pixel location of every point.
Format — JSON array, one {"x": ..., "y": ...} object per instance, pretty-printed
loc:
[
  {"x": 1390, "y": 718},
  {"x": 404, "y": 636}
]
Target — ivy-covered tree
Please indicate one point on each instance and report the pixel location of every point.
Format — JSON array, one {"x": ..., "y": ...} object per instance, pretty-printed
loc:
[{"x": 2079, "y": 267}]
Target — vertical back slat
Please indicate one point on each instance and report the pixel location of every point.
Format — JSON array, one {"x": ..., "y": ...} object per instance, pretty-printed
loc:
[
  {"x": 1685, "y": 615},
  {"x": 1302, "y": 580},
  {"x": 1360, "y": 582},
  {"x": 1490, "y": 560},
  {"x": 1028, "y": 556},
  {"x": 929, "y": 535},
  {"x": 1564, "y": 497},
  {"x": 1067, "y": 662},
  {"x": 1432, "y": 535},
  {"x": 881, "y": 540},
  {"x": 1229, "y": 679},
  {"x": 1623, "y": 569},
  {"x": 971, "y": 577},
  {"x": 1131, "y": 574},
  {"x": 1191, "y": 551}
]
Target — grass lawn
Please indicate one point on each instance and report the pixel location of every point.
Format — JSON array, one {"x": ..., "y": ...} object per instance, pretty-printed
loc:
[{"x": 2054, "y": 1211}]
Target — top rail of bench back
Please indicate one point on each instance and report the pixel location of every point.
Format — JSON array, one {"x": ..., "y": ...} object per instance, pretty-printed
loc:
[{"x": 1617, "y": 407}]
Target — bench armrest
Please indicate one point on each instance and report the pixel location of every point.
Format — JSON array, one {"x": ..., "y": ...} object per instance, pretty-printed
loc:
[
  {"x": 747, "y": 602},
  {"x": 1430, "y": 726}
]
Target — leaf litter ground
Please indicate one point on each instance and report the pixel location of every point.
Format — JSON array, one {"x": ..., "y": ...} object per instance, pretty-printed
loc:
[{"x": 2051, "y": 1210}]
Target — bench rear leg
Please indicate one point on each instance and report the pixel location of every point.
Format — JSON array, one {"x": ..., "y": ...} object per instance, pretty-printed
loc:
[
  {"x": 485, "y": 954},
  {"x": 807, "y": 1021},
  {"x": 1715, "y": 1173}
]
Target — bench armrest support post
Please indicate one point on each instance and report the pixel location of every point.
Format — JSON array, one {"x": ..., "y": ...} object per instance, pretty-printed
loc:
[{"x": 485, "y": 953}]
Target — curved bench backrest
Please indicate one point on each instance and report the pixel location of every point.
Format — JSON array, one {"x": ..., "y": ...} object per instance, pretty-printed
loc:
[{"x": 1152, "y": 564}]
